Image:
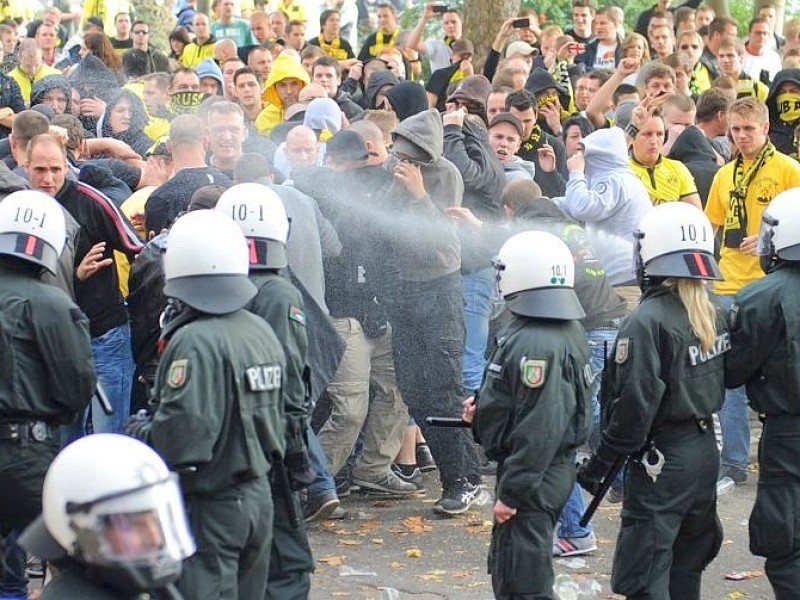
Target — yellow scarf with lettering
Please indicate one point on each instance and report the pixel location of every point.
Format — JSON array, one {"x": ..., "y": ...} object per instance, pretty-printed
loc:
[
  {"x": 788, "y": 104},
  {"x": 334, "y": 48},
  {"x": 383, "y": 41}
]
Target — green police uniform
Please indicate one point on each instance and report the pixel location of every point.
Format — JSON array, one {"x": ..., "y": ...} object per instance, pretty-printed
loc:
[
  {"x": 280, "y": 304},
  {"x": 72, "y": 581},
  {"x": 46, "y": 378},
  {"x": 219, "y": 422},
  {"x": 765, "y": 325},
  {"x": 664, "y": 388},
  {"x": 534, "y": 410}
]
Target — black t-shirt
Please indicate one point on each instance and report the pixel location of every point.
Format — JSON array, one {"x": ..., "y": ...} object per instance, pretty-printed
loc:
[
  {"x": 438, "y": 83},
  {"x": 121, "y": 44},
  {"x": 172, "y": 198}
]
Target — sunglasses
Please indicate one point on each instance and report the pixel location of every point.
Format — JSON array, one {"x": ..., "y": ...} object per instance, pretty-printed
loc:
[{"x": 140, "y": 32}]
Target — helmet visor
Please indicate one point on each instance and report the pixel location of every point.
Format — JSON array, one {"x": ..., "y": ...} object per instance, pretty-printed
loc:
[
  {"x": 146, "y": 527},
  {"x": 766, "y": 233}
]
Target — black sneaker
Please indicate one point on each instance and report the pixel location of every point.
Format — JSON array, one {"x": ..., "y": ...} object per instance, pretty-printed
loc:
[
  {"x": 415, "y": 478},
  {"x": 738, "y": 475},
  {"x": 389, "y": 485},
  {"x": 458, "y": 498},
  {"x": 425, "y": 460},
  {"x": 319, "y": 506}
]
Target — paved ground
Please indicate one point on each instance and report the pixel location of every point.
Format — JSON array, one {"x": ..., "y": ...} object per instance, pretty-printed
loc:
[{"x": 403, "y": 546}]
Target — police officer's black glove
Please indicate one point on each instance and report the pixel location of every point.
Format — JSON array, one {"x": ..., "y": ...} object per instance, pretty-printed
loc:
[
  {"x": 139, "y": 425},
  {"x": 301, "y": 473},
  {"x": 592, "y": 473}
]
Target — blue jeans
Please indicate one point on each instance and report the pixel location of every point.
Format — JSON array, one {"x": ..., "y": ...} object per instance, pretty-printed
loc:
[
  {"x": 478, "y": 297},
  {"x": 734, "y": 419},
  {"x": 323, "y": 480},
  {"x": 600, "y": 346},
  {"x": 113, "y": 361}
]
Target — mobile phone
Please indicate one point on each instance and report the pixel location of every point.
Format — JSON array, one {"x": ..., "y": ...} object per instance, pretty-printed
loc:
[
  {"x": 440, "y": 9},
  {"x": 521, "y": 23}
]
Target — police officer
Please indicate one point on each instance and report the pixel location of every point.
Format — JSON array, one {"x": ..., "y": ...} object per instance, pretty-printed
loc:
[
  {"x": 260, "y": 214},
  {"x": 46, "y": 372},
  {"x": 764, "y": 322},
  {"x": 113, "y": 523},
  {"x": 533, "y": 410},
  {"x": 220, "y": 417},
  {"x": 665, "y": 382}
]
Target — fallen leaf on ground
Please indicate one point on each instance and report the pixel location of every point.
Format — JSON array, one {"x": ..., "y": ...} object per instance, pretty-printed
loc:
[
  {"x": 460, "y": 574},
  {"x": 736, "y": 595},
  {"x": 417, "y": 524},
  {"x": 397, "y": 565},
  {"x": 349, "y": 542},
  {"x": 742, "y": 575},
  {"x": 384, "y": 503},
  {"x": 376, "y": 540},
  {"x": 334, "y": 561},
  {"x": 414, "y": 553}
]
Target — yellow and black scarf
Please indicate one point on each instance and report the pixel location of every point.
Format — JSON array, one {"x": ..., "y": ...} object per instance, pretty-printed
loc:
[
  {"x": 333, "y": 48},
  {"x": 449, "y": 41},
  {"x": 383, "y": 41},
  {"x": 533, "y": 141},
  {"x": 736, "y": 219}
]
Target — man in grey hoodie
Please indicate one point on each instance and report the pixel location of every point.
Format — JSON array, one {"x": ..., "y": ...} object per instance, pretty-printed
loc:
[
  {"x": 429, "y": 314},
  {"x": 604, "y": 193}
]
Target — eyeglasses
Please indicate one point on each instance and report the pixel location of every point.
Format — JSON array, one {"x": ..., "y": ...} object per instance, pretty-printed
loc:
[
  {"x": 140, "y": 32},
  {"x": 692, "y": 46}
]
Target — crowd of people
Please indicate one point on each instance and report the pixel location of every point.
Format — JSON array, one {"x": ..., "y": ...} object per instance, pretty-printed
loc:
[{"x": 275, "y": 249}]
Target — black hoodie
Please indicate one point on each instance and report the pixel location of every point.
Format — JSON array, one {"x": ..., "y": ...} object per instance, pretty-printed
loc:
[
  {"x": 781, "y": 134},
  {"x": 376, "y": 82},
  {"x": 693, "y": 149},
  {"x": 407, "y": 99}
]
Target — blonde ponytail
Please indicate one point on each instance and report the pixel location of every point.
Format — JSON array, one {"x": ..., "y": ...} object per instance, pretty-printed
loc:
[{"x": 699, "y": 308}]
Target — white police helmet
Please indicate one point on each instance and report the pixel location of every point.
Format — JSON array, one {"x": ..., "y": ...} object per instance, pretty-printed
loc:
[
  {"x": 260, "y": 213},
  {"x": 32, "y": 228},
  {"x": 779, "y": 237},
  {"x": 206, "y": 263},
  {"x": 111, "y": 502},
  {"x": 536, "y": 276},
  {"x": 675, "y": 240}
]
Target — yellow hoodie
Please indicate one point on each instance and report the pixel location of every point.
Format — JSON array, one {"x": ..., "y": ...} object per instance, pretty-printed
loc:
[{"x": 284, "y": 67}]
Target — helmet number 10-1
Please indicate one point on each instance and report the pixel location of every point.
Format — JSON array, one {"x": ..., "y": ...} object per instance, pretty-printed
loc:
[
  {"x": 240, "y": 212},
  {"x": 28, "y": 215},
  {"x": 689, "y": 233},
  {"x": 559, "y": 274}
]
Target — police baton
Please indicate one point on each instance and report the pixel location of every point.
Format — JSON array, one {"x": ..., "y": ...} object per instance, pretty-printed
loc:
[
  {"x": 611, "y": 475},
  {"x": 447, "y": 422},
  {"x": 102, "y": 399}
]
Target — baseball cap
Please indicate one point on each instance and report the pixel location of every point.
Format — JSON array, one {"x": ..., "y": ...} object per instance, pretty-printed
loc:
[
  {"x": 520, "y": 47},
  {"x": 507, "y": 117},
  {"x": 347, "y": 145}
]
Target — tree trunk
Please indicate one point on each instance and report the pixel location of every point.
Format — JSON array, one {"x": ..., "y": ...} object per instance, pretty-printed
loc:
[
  {"x": 158, "y": 14},
  {"x": 482, "y": 21},
  {"x": 721, "y": 8}
]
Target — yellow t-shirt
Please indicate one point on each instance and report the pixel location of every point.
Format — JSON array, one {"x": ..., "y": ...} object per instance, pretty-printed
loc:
[
  {"x": 296, "y": 11},
  {"x": 668, "y": 181},
  {"x": 779, "y": 173},
  {"x": 133, "y": 205}
]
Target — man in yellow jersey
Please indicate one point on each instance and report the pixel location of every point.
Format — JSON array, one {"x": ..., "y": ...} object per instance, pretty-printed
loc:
[
  {"x": 385, "y": 37},
  {"x": 203, "y": 45},
  {"x": 730, "y": 56},
  {"x": 741, "y": 191},
  {"x": 666, "y": 180}
]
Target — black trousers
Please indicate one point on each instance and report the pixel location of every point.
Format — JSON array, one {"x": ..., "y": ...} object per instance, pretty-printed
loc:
[{"x": 428, "y": 342}]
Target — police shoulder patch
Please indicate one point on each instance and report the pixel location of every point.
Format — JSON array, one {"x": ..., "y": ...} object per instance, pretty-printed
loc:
[
  {"x": 178, "y": 373},
  {"x": 533, "y": 372},
  {"x": 297, "y": 314},
  {"x": 622, "y": 351}
]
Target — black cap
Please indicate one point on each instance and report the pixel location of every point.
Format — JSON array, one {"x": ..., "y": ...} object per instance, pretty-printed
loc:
[
  {"x": 96, "y": 21},
  {"x": 347, "y": 145},
  {"x": 507, "y": 117}
]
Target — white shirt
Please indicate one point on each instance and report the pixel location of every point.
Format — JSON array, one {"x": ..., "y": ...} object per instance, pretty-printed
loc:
[{"x": 769, "y": 61}]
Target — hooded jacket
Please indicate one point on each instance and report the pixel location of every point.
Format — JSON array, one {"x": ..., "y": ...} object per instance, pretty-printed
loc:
[
  {"x": 134, "y": 136},
  {"x": 11, "y": 97},
  {"x": 517, "y": 168},
  {"x": 51, "y": 82},
  {"x": 693, "y": 149},
  {"x": 609, "y": 199},
  {"x": 284, "y": 67},
  {"x": 407, "y": 99},
  {"x": 193, "y": 52},
  {"x": 781, "y": 134},
  {"x": 426, "y": 242},
  {"x": 208, "y": 68},
  {"x": 378, "y": 80}
]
